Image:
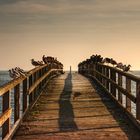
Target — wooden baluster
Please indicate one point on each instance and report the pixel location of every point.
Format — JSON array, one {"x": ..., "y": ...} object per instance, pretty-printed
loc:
[
  {"x": 128, "y": 88},
  {"x": 6, "y": 106},
  {"x": 138, "y": 100},
  {"x": 107, "y": 74},
  {"x": 34, "y": 92},
  {"x": 98, "y": 69},
  {"x": 37, "y": 79},
  {"x": 94, "y": 69},
  {"x": 42, "y": 75},
  {"x": 103, "y": 72},
  {"x": 24, "y": 95},
  {"x": 16, "y": 104},
  {"x": 113, "y": 77},
  {"x": 120, "y": 84},
  {"x": 30, "y": 84}
]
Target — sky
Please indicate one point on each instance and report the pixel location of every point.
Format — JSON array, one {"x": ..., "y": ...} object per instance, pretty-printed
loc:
[{"x": 71, "y": 30}]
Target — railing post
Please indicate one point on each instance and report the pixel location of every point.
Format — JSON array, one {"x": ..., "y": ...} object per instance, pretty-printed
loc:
[
  {"x": 113, "y": 78},
  {"x": 128, "y": 88},
  {"x": 138, "y": 100},
  {"x": 16, "y": 104},
  {"x": 35, "y": 79},
  {"x": 120, "y": 84},
  {"x": 100, "y": 70},
  {"x": 103, "y": 72},
  {"x": 107, "y": 75},
  {"x": 30, "y": 84},
  {"x": 24, "y": 95},
  {"x": 93, "y": 70},
  {"x": 6, "y": 106}
]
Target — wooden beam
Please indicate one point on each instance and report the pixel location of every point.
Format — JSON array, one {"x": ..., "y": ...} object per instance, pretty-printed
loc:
[
  {"x": 120, "y": 84},
  {"x": 24, "y": 95},
  {"x": 128, "y": 88},
  {"x": 6, "y": 115},
  {"x": 16, "y": 104},
  {"x": 5, "y": 107},
  {"x": 138, "y": 101}
]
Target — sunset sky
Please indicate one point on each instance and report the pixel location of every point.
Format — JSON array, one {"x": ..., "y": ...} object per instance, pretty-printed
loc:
[{"x": 71, "y": 30}]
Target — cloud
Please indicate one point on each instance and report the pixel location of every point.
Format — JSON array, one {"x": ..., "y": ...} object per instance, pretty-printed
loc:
[{"x": 67, "y": 6}]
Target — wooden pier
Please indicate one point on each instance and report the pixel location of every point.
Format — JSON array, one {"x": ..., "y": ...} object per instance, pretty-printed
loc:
[{"x": 87, "y": 105}]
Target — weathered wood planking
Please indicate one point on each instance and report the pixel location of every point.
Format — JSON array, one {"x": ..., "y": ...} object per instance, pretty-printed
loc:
[
  {"x": 115, "y": 77},
  {"x": 38, "y": 75},
  {"x": 71, "y": 108}
]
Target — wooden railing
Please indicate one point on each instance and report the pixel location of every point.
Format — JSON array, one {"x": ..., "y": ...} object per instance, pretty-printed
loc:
[
  {"x": 118, "y": 85},
  {"x": 31, "y": 87}
]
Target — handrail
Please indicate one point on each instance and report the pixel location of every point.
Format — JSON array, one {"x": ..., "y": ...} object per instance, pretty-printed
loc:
[
  {"x": 129, "y": 75},
  {"x": 11, "y": 84},
  {"x": 112, "y": 80},
  {"x": 122, "y": 90},
  {"x": 31, "y": 85}
]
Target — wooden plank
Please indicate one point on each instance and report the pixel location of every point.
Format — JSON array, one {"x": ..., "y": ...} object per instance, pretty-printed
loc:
[
  {"x": 120, "y": 84},
  {"x": 64, "y": 119},
  {"x": 24, "y": 95},
  {"x": 5, "y": 116},
  {"x": 6, "y": 106},
  {"x": 138, "y": 101},
  {"x": 16, "y": 102},
  {"x": 128, "y": 88}
]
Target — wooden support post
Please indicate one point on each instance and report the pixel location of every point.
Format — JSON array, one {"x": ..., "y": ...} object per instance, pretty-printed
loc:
[
  {"x": 30, "y": 84},
  {"x": 120, "y": 84},
  {"x": 113, "y": 77},
  {"x": 128, "y": 88},
  {"x": 94, "y": 70},
  {"x": 138, "y": 101},
  {"x": 34, "y": 92},
  {"x": 103, "y": 80},
  {"x": 24, "y": 95},
  {"x": 100, "y": 70},
  {"x": 107, "y": 75},
  {"x": 16, "y": 104},
  {"x": 6, "y": 106}
]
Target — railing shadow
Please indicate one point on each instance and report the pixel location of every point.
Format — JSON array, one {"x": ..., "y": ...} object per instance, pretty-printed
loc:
[
  {"x": 66, "y": 114},
  {"x": 117, "y": 113}
]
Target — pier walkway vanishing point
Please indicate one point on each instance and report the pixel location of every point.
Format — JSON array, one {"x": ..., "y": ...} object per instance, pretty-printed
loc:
[{"x": 73, "y": 107}]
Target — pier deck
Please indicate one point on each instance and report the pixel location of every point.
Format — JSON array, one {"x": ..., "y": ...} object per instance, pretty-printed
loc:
[{"x": 71, "y": 107}]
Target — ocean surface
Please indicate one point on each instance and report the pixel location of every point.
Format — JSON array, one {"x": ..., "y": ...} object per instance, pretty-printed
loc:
[{"x": 4, "y": 78}]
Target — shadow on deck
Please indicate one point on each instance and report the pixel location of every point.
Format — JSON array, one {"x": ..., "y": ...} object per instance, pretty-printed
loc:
[
  {"x": 90, "y": 116},
  {"x": 66, "y": 114}
]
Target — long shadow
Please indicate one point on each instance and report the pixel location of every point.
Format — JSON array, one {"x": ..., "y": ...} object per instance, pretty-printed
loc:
[
  {"x": 66, "y": 114},
  {"x": 117, "y": 113}
]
